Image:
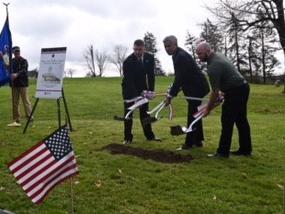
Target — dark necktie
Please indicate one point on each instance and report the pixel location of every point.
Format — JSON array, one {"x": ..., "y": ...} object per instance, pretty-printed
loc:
[{"x": 140, "y": 61}]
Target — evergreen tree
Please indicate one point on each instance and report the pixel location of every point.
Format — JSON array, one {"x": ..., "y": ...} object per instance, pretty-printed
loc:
[
  {"x": 150, "y": 46},
  {"x": 189, "y": 44},
  {"x": 264, "y": 49},
  {"x": 236, "y": 45},
  {"x": 211, "y": 33}
]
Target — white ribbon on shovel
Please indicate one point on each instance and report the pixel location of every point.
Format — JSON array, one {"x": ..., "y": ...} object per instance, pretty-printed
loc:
[
  {"x": 198, "y": 116},
  {"x": 177, "y": 130},
  {"x": 159, "y": 108},
  {"x": 138, "y": 102}
]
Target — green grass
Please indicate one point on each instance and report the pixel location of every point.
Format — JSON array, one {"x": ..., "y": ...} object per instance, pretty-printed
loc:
[{"x": 110, "y": 183}]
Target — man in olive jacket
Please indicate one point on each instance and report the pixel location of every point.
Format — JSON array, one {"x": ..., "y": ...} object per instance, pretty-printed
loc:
[
  {"x": 19, "y": 85},
  {"x": 193, "y": 83},
  {"x": 138, "y": 71},
  {"x": 224, "y": 77}
]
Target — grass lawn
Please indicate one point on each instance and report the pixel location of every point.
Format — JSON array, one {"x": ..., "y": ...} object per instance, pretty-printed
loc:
[{"x": 120, "y": 183}]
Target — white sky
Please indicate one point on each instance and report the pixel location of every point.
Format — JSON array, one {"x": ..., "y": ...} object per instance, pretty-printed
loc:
[{"x": 76, "y": 24}]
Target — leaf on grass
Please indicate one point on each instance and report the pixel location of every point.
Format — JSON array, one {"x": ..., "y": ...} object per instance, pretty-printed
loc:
[
  {"x": 244, "y": 175},
  {"x": 281, "y": 186},
  {"x": 120, "y": 171},
  {"x": 98, "y": 183}
]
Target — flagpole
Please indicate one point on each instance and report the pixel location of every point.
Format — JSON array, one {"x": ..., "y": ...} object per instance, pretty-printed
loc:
[
  {"x": 71, "y": 187},
  {"x": 7, "y": 11},
  {"x": 6, "y": 5},
  {"x": 71, "y": 196}
]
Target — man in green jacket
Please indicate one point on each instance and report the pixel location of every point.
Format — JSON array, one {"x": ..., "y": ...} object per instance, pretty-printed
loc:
[{"x": 225, "y": 78}]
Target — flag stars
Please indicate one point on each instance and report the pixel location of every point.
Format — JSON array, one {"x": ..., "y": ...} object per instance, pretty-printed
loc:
[{"x": 59, "y": 144}]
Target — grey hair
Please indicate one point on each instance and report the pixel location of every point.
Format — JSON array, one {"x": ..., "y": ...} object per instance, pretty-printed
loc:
[{"x": 172, "y": 39}]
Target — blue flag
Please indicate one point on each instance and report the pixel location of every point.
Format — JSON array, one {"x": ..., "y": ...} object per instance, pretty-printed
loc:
[{"x": 5, "y": 53}]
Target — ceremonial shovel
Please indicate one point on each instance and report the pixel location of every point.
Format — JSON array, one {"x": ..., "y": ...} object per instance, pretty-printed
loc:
[{"x": 157, "y": 110}]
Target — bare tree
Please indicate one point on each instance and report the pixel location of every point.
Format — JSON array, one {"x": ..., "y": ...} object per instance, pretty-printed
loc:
[
  {"x": 70, "y": 72},
  {"x": 249, "y": 13},
  {"x": 101, "y": 61},
  {"x": 118, "y": 57},
  {"x": 90, "y": 60}
]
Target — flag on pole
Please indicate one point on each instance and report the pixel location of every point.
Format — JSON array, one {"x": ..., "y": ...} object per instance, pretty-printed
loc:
[
  {"x": 46, "y": 164},
  {"x": 5, "y": 52}
]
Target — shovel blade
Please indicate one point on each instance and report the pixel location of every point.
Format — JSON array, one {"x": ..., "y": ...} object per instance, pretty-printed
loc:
[
  {"x": 176, "y": 130},
  {"x": 119, "y": 118}
]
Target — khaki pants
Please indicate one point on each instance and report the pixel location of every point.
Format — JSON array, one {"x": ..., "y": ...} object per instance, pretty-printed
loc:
[{"x": 16, "y": 93}]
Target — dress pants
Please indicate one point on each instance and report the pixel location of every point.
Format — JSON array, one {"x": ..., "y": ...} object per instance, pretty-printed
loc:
[
  {"x": 128, "y": 124},
  {"x": 16, "y": 93},
  {"x": 234, "y": 111},
  {"x": 195, "y": 137}
]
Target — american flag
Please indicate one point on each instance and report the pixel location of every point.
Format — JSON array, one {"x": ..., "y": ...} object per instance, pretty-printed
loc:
[{"x": 45, "y": 165}]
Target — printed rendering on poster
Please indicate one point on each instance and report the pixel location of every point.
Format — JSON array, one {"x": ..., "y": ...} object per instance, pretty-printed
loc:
[{"x": 49, "y": 82}]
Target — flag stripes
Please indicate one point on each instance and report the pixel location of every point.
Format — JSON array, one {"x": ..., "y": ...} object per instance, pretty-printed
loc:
[{"x": 46, "y": 164}]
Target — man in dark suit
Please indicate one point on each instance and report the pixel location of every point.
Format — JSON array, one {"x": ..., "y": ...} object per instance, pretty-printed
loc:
[
  {"x": 138, "y": 70},
  {"x": 193, "y": 83}
]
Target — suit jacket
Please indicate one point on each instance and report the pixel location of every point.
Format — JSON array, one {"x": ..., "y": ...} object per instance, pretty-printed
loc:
[
  {"x": 188, "y": 76},
  {"x": 137, "y": 76},
  {"x": 20, "y": 67}
]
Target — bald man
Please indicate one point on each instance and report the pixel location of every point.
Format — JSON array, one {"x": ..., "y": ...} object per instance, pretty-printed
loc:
[{"x": 224, "y": 77}]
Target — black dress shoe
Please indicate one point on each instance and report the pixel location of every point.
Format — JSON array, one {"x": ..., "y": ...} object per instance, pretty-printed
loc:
[
  {"x": 185, "y": 147},
  {"x": 200, "y": 144},
  {"x": 240, "y": 153},
  {"x": 191, "y": 145},
  {"x": 126, "y": 142},
  {"x": 155, "y": 139}
]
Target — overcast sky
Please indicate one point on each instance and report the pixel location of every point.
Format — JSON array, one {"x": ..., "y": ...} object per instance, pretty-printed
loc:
[{"x": 76, "y": 24}]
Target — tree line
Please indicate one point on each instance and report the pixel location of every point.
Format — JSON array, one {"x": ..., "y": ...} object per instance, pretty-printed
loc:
[
  {"x": 97, "y": 60},
  {"x": 252, "y": 32},
  {"x": 248, "y": 32},
  {"x": 252, "y": 52}
]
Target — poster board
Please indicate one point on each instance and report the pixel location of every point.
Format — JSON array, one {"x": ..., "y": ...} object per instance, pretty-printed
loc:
[{"x": 50, "y": 76}]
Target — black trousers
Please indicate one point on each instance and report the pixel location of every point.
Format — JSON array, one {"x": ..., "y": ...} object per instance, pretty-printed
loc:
[
  {"x": 234, "y": 111},
  {"x": 128, "y": 124},
  {"x": 197, "y": 136}
]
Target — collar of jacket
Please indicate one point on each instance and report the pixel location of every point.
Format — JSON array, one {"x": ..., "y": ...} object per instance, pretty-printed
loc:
[
  {"x": 178, "y": 49},
  {"x": 210, "y": 58},
  {"x": 135, "y": 58}
]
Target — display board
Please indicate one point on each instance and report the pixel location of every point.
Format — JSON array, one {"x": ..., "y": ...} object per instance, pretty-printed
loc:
[{"x": 51, "y": 71}]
